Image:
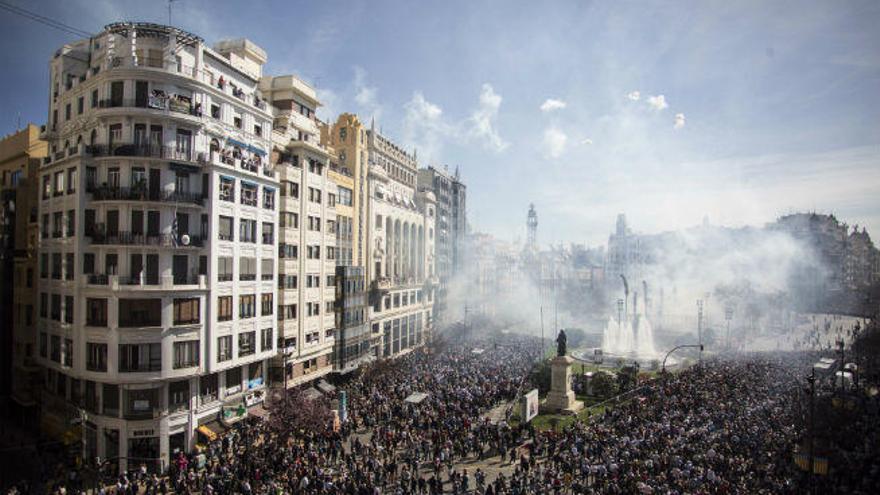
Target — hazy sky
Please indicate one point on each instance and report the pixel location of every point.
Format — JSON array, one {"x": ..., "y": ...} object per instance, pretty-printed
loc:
[{"x": 666, "y": 111}]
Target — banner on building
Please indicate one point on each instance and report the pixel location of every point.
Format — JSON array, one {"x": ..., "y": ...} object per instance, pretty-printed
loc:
[{"x": 530, "y": 405}]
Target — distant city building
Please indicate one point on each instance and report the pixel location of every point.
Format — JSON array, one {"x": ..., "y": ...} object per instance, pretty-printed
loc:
[{"x": 21, "y": 155}]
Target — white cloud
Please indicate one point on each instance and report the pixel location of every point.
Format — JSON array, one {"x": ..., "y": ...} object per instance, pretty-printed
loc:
[
  {"x": 587, "y": 142},
  {"x": 658, "y": 102},
  {"x": 678, "y": 123},
  {"x": 633, "y": 96},
  {"x": 483, "y": 125},
  {"x": 365, "y": 96},
  {"x": 554, "y": 142},
  {"x": 425, "y": 128},
  {"x": 329, "y": 104},
  {"x": 552, "y": 104}
]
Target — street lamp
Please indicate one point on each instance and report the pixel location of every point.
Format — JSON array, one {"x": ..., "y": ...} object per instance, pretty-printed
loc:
[
  {"x": 700, "y": 327},
  {"x": 728, "y": 315}
]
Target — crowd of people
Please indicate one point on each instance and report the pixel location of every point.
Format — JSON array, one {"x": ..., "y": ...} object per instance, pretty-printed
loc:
[{"x": 725, "y": 426}]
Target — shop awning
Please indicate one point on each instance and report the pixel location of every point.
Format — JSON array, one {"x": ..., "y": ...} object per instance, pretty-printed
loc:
[
  {"x": 325, "y": 387},
  {"x": 416, "y": 397},
  {"x": 204, "y": 430},
  {"x": 234, "y": 142},
  {"x": 254, "y": 149}
]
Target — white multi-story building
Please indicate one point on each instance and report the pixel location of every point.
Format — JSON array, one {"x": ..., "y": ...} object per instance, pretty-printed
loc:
[
  {"x": 158, "y": 215},
  {"x": 400, "y": 248},
  {"x": 307, "y": 234}
]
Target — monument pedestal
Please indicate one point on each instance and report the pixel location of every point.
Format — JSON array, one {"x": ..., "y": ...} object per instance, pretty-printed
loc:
[{"x": 561, "y": 398}]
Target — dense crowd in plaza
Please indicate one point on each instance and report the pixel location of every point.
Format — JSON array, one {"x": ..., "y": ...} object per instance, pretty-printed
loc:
[{"x": 727, "y": 426}]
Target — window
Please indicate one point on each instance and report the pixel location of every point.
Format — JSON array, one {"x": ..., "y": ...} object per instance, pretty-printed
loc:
[
  {"x": 47, "y": 186},
  {"x": 44, "y": 227},
  {"x": 247, "y": 306},
  {"x": 227, "y": 189},
  {"x": 314, "y": 223},
  {"x": 267, "y": 304},
  {"x": 68, "y": 309},
  {"x": 331, "y": 253},
  {"x": 208, "y": 387},
  {"x": 287, "y": 312},
  {"x": 247, "y": 344},
  {"x": 289, "y": 220},
  {"x": 55, "y": 310},
  {"x": 314, "y": 195},
  {"x": 247, "y": 230},
  {"x": 71, "y": 180},
  {"x": 44, "y": 345},
  {"x": 80, "y": 105},
  {"x": 178, "y": 394},
  {"x": 94, "y": 100},
  {"x": 289, "y": 251},
  {"x": 267, "y": 269},
  {"x": 140, "y": 313},
  {"x": 226, "y": 232},
  {"x": 224, "y": 269},
  {"x": 67, "y": 112},
  {"x": 290, "y": 189},
  {"x": 224, "y": 308},
  {"x": 140, "y": 357},
  {"x": 315, "y": 166},
  {"x": 69, "y": 266},
  {"x": 248, "y": 194},
  {"x": 236, "y": 120},
  {"x": 215, "y": 111},
  {"x": 67, "y": 352},
  {"x": 247, "y": 269},
  {"x": 71, "y": 223},
  {"x": 224, "y": 348},
  {"x": 57, "y": 224},
  {"x": 268, "y": 233},
  {"x": 331, "y": 200},
  {"x": 55, "y": 349},
  {"x": 266, "y": 339},
  {"x": 313, "y": 281},
  {"x": 96, "y": 312},
  {"x": 187, "y": 311},
  {"x": 268, "y": 198},
  {"x": 44, "y": 265},
  {"x": 258, "y": 130},
  {"x": 186, "y": 354},
  {"x": 96, "y": 357},
  {"x": 313, "y": 252},
  {"x": 287, "y": 281}
]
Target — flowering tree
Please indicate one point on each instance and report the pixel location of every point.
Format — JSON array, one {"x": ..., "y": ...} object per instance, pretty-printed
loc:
[{"x": 296, "y": 411}]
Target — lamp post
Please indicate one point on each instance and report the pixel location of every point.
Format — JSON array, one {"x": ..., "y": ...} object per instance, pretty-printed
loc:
[
  {"x": 700, "y": 327},
  {"x": 728, "y": 315}
]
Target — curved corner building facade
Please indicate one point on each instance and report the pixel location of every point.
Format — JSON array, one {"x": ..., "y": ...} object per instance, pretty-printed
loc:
[{"x": 158, "y": 214}]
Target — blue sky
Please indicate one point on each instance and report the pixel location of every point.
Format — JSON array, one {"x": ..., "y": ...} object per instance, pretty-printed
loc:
[{"x": 766, "y": 108}]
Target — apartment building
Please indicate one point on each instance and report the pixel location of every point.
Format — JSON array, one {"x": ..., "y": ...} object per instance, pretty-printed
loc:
[
  {"x": 451, "y": 229},
  {"x": 21, "y": 154},
  {"x": 399, "y": 253},
  {"x": 308, "y": 231},
  {"x": 158, "y": 213}
]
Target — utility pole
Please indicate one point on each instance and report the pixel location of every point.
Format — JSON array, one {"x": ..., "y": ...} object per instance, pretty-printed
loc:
[{"x": 700, "y": 327}]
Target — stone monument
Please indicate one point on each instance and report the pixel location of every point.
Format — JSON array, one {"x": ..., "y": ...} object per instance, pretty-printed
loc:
[{"x": 561, "y": 398}]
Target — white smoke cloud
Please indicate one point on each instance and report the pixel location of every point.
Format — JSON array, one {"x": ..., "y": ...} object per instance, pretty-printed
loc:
[
  {"x": 678, "y": 123},
  {"x": 658, "y": 102},
  {"x": 552, "y": 104},
  {"x": 633, "y": 96},
  {"x": 483, "y": 122},
  {"x": 554, "y": 143}
]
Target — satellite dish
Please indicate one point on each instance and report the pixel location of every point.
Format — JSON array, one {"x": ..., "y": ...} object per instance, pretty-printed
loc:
[{"x": 184, "y": 239}]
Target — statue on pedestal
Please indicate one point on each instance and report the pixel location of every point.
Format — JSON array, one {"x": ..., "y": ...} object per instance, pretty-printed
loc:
[{"x": 561, "y": 343}]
